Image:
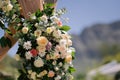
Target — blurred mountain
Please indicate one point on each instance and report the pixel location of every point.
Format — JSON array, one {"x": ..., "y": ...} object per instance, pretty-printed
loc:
[{"x": 88, "y": 44}]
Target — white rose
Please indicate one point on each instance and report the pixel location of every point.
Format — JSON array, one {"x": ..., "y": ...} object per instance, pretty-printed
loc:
[
  {"x": 38, "y": 63},
  {"x": 33, "y": 75},
  {"x": 29, "y": 71},
  {"x": 25, "y": 30},
  {"x": 44, "y": 18},
  {"x": 58, "y": 77},
  {"x": 27, "y": 45},
  {"x": 65, "y": 36},
  {"x": 57, "y": 33},
  {"x": 60, "y": 64},
  {"x": 37, "y": 33},
  {"x": 54, "y": 62},
  {"x": 69, "y": 42},
  {"x": 49, "y": 30},
  {"x": 9, "y": 7},
  {"x": 56, "y": 68},
  {"x": 63, "y": 42},
  {"x": 36, "y": 25},
  {"x": 28, "y": 55}
]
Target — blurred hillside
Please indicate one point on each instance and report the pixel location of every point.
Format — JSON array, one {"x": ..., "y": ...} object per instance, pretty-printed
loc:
[{"x": 90, "y": 42}]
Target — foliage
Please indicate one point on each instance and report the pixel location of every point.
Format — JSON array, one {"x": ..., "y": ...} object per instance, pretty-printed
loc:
[
  {"x": 102, "y": 77},
  {"x": 80, "y": 76},
  {"x": 110, "y": 53}
]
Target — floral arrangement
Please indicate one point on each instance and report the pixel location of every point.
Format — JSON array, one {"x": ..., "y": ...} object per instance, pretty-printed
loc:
[{"x": 44, "y": 45}]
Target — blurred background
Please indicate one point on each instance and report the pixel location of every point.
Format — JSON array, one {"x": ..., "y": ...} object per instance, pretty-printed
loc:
[{"x": 95, "y": 28}]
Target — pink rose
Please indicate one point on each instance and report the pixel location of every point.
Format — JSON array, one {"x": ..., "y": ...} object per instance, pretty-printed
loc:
[
  {"x": 49, "y": 45},
  {"x": 51, "y": 74},
  {"x": 59, "y": 23}
]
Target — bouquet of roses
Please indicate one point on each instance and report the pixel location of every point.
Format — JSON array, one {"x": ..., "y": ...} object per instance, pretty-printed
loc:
[{"x": 44, "y": 45}]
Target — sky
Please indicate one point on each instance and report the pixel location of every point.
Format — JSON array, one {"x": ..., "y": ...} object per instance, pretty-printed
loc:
[{"x": 85, "y": 13}]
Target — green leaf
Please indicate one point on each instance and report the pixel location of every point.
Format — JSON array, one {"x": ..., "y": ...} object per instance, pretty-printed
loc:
[
  {"x": 8, "y": 31},
  {"x": 71, "y": 69},
  {"x": 65, "y": 28},
  {"x": 48, "y": 5},
  {"x": 73, "y": 55},
  {"x": 38, "y": 13},
  {"x": 48, "y": 11}
]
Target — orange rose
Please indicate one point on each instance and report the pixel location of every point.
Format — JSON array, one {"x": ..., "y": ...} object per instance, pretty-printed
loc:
[
  {"x": 68, "y": 58},
  {"x": 42, "y": 41},
  {"x": 51, "y": 74}
]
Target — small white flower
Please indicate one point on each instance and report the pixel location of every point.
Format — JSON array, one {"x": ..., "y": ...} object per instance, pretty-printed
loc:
[
  {"x": 54, "y": 62},
  {"x": 57, "y": 33},
  {"x": 63, "y": 42},
  {"x": 25, "y": 30},
  {"x": 69, "y": 51},
  {"x": 55, "y": 19},
  {"x": 65, "y": 36},
  {"x": 60, "y": 64},
  {"x": 63, "y": 73},
  {"x": 28, "y": 55},
  {"x": 58, "y": 77},
  {"x": 9, "y": 7},
  {"x": 37, "y": 33},
  {"x": 44, "y": 18},
  {"x": 49, "y": 30},
  {"x": 36, "y": 25},
  {"x": 33, "y": 75},
  {"x": 38, "y": 63},
  {"x": 56, "y": 68},
  {"x": 29, "y": 71},
  {"x": 27, "y": 45},
  {"x": 69, "y": 42}
]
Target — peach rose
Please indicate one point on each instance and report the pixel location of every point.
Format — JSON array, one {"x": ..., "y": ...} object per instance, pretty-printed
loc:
[
  {"x": 56, "y": 55},
  {"x": 51, "y": 74},
  {"x": 42, "y": 41},
  {"x": 68, "y": 58},
  {"x": 41, "y": 49},
  {"x": 37, "y": 33}
]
